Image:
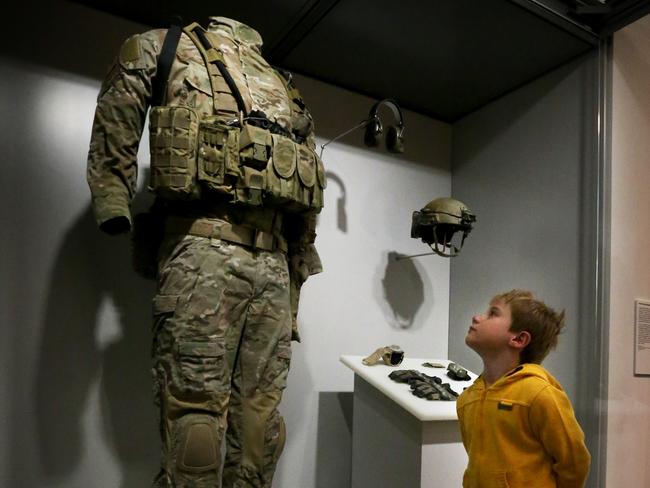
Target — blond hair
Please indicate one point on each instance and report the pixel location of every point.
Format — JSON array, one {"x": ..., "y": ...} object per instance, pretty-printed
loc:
[{"x": 532, "y": 315}]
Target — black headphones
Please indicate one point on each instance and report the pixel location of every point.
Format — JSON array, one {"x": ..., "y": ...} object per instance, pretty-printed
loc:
[{"x": 374, "y": 128}]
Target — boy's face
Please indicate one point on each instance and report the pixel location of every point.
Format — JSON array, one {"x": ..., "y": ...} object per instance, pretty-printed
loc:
[{"x": 490, "y": 331}]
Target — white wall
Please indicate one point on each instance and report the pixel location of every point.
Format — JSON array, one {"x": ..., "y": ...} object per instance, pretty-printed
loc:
[
  {"x": 628, "y": 447},
  {"x": 76, "y": 403},
  {"x": 347, "y": 309}
]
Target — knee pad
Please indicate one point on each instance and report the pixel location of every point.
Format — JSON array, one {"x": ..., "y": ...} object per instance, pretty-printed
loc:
[{"x": 198, "y": 443}]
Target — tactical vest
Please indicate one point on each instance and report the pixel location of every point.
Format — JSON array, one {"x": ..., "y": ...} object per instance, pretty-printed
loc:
[{"x": 246, "y": 156}]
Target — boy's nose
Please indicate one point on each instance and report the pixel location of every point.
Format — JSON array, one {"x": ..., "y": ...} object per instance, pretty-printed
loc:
[{"x": 476, "y": 319}]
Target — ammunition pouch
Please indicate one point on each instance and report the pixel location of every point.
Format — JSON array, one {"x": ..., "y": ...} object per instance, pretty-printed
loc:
[
  {"x": 295, "y": 176},
  {"x": 192, "y": 159},
  {"x": 218, "y": 157},
  {"x": 254, "y": 147},
  {"x": 172, "y": 142}
]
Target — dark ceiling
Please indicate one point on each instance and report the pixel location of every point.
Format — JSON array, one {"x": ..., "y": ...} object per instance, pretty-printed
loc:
[{"x": 442, "y": 58}]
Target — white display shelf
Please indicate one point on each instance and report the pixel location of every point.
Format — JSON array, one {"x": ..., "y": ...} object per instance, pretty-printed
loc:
[
  {"x": 400, "y": 393},
  {"x": 400, "y": 439}
]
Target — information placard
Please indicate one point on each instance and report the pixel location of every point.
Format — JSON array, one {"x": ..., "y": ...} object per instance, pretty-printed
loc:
[{"x": 642, "y": 337}]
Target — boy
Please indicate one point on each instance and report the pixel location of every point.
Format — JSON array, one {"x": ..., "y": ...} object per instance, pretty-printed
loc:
[{"x": 517, "y": 424}]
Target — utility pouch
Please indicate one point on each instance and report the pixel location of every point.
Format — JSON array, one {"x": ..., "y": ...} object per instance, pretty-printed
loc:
[
  {"x": 218, "y": 153},
  {"x": 253, "y": 184},
  {"x": 311, "y": 174},
  {"x": 173, "y": 136},
  {"x": 255, "y": 146},
  {"x": 282, "y": 181},
  {"x": 312, "y": 178}
]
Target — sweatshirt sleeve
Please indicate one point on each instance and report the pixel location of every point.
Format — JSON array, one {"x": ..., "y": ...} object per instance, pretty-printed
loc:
[{"x": 555, "y": 425}]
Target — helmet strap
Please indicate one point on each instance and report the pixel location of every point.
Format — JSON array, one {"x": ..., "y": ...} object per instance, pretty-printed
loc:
[{"x": 439, "y": 248}]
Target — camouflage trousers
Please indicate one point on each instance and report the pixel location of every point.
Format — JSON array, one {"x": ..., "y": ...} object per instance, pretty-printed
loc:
[{"x": 221, "y": 353}]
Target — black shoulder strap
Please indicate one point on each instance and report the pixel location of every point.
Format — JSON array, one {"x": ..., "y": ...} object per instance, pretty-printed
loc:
[
  {"x": 218, "y": 62},
  {"x": 165, "y": 60}
]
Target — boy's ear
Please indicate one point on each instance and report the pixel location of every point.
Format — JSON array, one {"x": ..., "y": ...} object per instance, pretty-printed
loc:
[{"x": 521, "y": 339}]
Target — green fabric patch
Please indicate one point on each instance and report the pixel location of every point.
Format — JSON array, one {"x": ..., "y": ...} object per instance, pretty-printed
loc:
[{"x": 130, "y": 50}]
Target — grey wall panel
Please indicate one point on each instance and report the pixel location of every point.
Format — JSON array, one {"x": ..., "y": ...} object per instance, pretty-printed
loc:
[{"x": 522, "y": 164}]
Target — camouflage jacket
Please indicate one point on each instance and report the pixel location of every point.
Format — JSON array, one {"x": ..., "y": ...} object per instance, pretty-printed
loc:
[{"x": 125, "y": 99}]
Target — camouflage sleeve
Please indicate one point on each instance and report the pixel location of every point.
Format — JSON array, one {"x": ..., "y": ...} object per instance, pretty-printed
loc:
[{"x": 121, "y": 110}]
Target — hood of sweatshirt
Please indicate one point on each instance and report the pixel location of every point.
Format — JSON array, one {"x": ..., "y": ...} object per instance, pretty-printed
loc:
[{"x": 523, "y": 370}]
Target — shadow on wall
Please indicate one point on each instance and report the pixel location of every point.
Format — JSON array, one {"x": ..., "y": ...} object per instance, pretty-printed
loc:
[
  {"x": 403, "y": 289},
  {"x": 334, "y": 442},
  {"x": 91, "y": 269}
]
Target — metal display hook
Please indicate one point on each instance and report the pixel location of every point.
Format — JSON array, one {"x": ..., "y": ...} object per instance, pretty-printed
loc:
[
  {"x": 360, "y": 125},
  {"x": 399, "y": 258},
  {"x": 395, "y": 133}
]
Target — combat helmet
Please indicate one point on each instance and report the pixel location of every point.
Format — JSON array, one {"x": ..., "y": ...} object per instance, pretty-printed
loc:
[{"x": 438, "y": 221}]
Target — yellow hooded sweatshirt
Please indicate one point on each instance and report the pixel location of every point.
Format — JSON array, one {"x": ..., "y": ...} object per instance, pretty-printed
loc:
[{"x": 521, "y": 432}]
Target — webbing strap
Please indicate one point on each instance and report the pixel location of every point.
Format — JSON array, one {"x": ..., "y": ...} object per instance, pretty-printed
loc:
[
  {"x": 210, "y": 55},
  {"x": 239, "y": 234},
  {"x": 165, "y": 60},
  {"x": 233, "y": 87}
]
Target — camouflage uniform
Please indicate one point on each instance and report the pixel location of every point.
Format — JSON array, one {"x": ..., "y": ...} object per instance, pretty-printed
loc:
[{"x": 233, "y": 256}]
